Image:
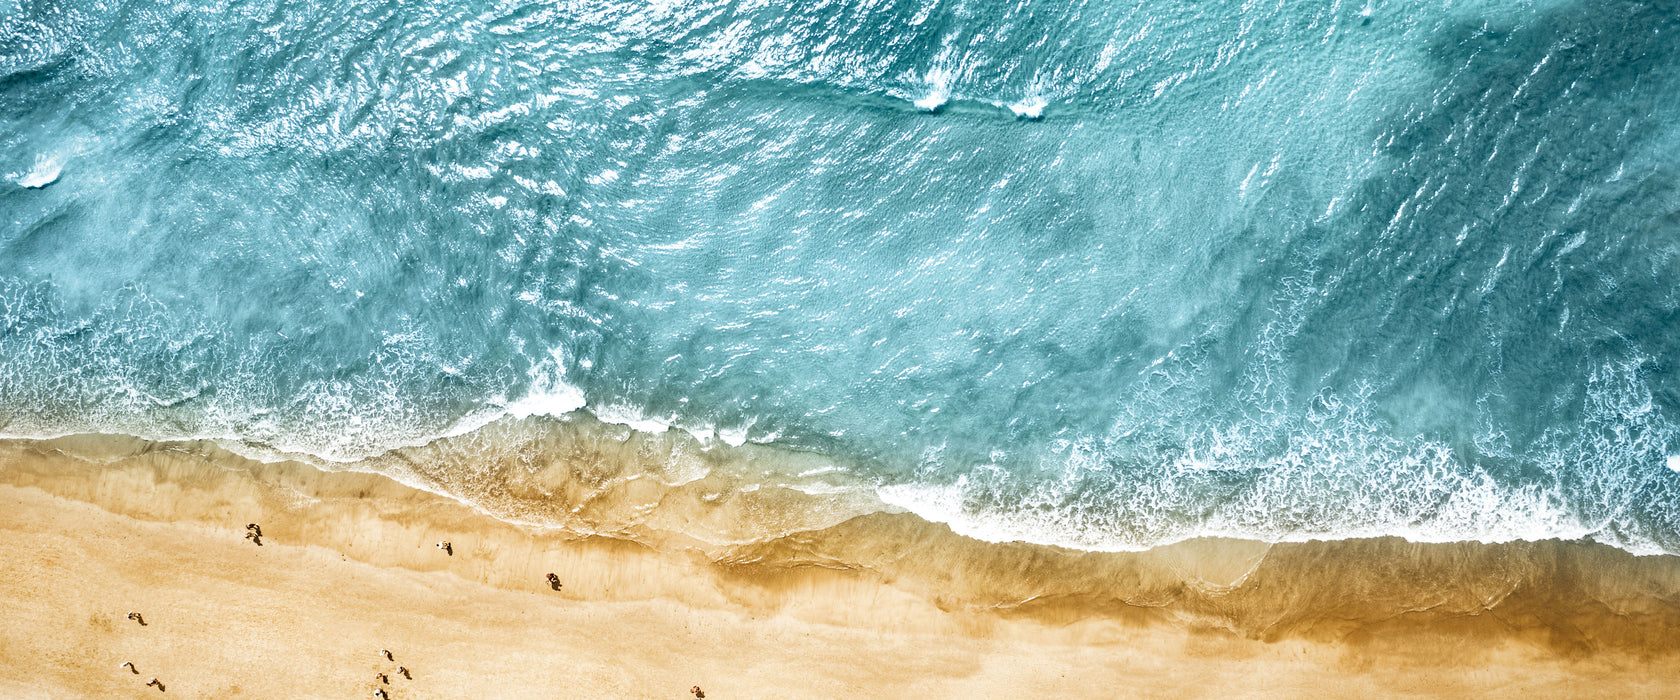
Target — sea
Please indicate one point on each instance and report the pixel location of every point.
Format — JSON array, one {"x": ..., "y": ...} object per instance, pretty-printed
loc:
[{"x": 1092, "y": 274}]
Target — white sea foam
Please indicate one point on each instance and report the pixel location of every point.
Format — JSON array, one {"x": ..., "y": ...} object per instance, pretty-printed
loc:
[
  {"x": 939, "y": 92},
  {"x": 1030, "y": 108},
  {"x": 631, "y": 417},
  {"x": 556, "y": 403},
  {"x": 933, "y": 101},
  {"x": 45, "y": 172},
  {"x": 734, "y": 437},
  {"x": 550, "y": 394},
  {"x": 636, "y": 419},
  {"x": 1487, "y": 517}
]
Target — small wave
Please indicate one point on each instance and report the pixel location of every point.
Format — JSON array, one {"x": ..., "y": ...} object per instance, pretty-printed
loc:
[
  {"x": 939, "y": 92},
  {"x": 1030, "y": 108},
  {"x": 933, "y": 101},
  {"x": 45, "y": 172}
]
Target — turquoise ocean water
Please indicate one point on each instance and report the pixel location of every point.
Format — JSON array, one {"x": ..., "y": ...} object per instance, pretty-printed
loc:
[{"x": 1103, "y": 275}]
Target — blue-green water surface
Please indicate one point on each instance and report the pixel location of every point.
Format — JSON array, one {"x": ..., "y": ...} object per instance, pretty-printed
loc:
[{"x": 1097, "y": 274}]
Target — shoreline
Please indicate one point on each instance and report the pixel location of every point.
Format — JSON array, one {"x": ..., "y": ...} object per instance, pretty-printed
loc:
[{"x": 881, "y": 603}]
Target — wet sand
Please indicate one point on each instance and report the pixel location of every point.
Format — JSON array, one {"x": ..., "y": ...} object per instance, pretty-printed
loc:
[{"x": 881, "y": 606}]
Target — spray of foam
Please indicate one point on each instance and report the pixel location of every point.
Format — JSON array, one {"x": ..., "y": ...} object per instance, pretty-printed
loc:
[
  {"x": 1030, "y": 108},
  {"x": 550, "y": 394},
  {"x": 939, "y": 90},
  {"x": 45, "y": 172}
]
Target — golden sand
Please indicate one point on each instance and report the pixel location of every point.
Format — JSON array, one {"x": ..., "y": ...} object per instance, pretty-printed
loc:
[{"x": 879, "y": 606}]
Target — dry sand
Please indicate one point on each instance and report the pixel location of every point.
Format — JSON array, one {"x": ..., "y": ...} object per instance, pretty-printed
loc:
[{"x": 348, "y": 567}]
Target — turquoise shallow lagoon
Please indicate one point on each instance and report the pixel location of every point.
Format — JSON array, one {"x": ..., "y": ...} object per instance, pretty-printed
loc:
[{"x": 1074, "y": 273}]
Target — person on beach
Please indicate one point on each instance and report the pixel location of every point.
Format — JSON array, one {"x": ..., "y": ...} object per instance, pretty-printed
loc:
[
  {"x": 698, "y": 693},
  {"x": 380, "y": 693},
  {"x": 130, "y": 666},
  {"x": 387, "y": 654},
  {"x": 404, "y": 670},
  {"x": 255, "y": 528},
  {"x": 553, "y": 581},
  {"x": 384, "y": 678},
  {"x": 137, "y": 618},
  {"x": 446, "y": 547},
  {"x": 254, "y": 537},
  {"x": 155, "y": 683}
]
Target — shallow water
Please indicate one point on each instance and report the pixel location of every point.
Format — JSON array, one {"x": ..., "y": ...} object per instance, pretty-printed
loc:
[{"x": 1070, "y": 273}]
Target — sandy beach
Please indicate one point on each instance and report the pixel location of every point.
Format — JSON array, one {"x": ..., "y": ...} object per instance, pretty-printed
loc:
[
  {"x": 93, "y": 528},
  {"x": 898, "y": 349}
]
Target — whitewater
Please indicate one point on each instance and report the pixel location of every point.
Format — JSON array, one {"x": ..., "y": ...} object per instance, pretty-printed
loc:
[{"x": 1076, "y": 273}]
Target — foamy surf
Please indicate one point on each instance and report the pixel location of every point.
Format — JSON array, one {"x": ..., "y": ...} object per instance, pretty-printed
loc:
[
  {"x": 1029, "y": 108},
  {"x": 45, "y": 172},
  {"x": 938, "y": 81}
]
